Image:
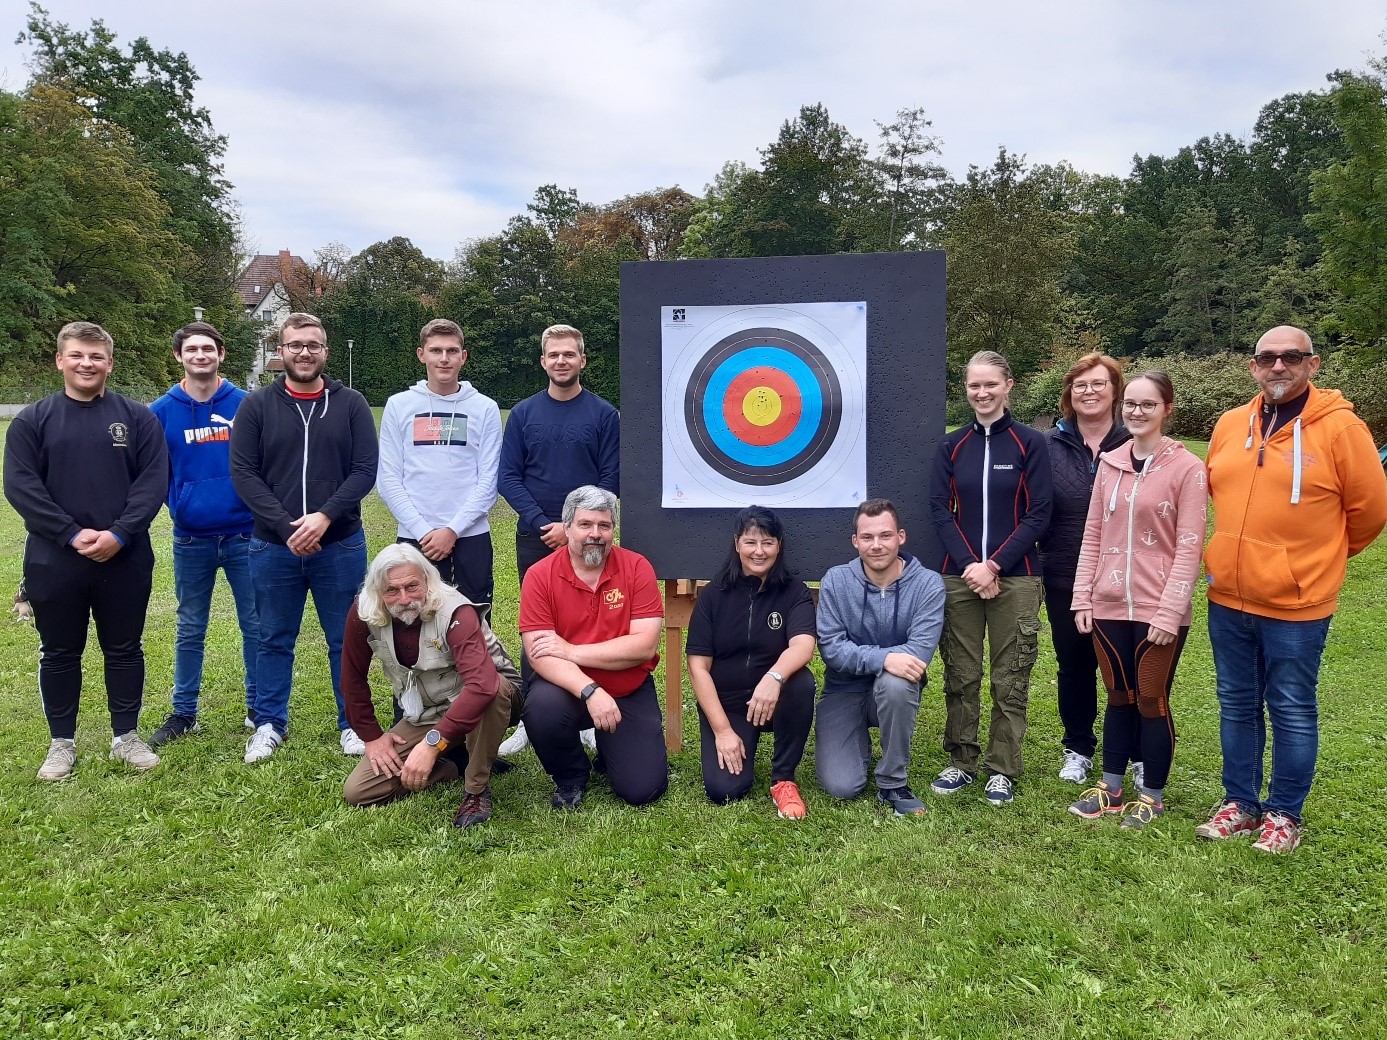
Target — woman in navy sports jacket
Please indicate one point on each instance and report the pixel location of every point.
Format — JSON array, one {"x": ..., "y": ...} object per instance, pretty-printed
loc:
[{"x": 990, "y": 502}]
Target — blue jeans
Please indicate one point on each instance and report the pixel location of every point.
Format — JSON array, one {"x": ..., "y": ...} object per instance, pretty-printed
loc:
[
  {"x": 195, "y": 564},
  {"x": 282, "y": 584},
  {"x": 1266, "y": 663}
]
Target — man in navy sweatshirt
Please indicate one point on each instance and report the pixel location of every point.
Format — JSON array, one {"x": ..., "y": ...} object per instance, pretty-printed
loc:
[
  {"x": 879, "y": 621},
  {"x": 211, "y": 525},
  {"x": 86, "y": 469},
  {"x": 563, "y": 437},
  {"x": 303, "y": 456}
]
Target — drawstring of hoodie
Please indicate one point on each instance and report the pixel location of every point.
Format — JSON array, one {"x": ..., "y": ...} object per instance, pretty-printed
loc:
[{"x": 1297, "y": 461}]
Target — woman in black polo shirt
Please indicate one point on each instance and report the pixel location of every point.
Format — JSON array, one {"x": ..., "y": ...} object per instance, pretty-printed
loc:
[{"x": 750, "y": 641}]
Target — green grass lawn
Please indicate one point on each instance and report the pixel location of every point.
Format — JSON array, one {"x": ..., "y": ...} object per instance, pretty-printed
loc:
[{"x": 212, "y": 899}]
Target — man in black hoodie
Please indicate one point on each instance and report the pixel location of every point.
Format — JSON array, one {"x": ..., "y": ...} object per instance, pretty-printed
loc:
[{"x": 303, "y": 456}]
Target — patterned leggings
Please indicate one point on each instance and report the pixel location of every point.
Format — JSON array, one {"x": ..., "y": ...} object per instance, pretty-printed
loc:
[{"x": 1137, "y": 726}]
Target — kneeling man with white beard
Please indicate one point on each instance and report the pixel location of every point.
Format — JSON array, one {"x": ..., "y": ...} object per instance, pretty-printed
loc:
[{"x": 448, "y": 672}]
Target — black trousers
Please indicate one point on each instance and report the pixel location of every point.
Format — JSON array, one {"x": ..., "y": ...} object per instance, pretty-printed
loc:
[
  {"x": 67, "y": 592},
  {"x": 636, "y": 761},
  {"x": 469, "y": 569},
  {"x": 793, "y": 718},
  {"x": 529, "y": 550},
  {"x": 1078, "y": 673}
]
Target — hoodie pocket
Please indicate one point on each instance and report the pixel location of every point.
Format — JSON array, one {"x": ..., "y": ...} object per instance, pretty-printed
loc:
[
  {"x": 207, "y": 505},
  {"x": 1252, "y": 570}
]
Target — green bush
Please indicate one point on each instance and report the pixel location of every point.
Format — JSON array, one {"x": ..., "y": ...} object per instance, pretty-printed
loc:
[{"x": 1363, "y": 383}]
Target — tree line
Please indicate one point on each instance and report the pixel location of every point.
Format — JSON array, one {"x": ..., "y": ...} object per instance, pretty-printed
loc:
[{"x": 1182, "y": 261}]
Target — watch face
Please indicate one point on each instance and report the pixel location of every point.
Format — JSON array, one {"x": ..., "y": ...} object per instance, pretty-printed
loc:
[{"x": 432, "y": 737}]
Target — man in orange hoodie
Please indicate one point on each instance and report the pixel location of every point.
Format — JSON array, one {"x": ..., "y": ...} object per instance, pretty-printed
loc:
[{"x": 1297, "y": 489}]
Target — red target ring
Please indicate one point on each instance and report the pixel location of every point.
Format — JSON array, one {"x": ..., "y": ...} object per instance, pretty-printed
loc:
[{"x": 762, "y": 393}]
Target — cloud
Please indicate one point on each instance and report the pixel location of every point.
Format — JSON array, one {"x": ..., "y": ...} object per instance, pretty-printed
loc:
[{"x": 357, "y": 121}]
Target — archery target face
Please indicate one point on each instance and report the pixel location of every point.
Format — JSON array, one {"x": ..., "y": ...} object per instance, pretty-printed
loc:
[{"x": 764, "y": 404}]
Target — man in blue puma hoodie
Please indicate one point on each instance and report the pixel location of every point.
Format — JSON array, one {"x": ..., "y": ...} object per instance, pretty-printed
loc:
[
  {"x": 211, "y": 525},
  {"x": 879, "y": 620}
]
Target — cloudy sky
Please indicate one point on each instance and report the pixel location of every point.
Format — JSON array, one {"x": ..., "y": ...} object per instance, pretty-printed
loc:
[{"x": 353, "y": 121}]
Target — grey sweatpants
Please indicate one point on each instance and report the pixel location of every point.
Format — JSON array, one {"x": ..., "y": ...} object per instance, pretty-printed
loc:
[{"x": 843, "y": 747}]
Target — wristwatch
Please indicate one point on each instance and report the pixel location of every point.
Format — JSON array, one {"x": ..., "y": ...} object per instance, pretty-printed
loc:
[
  {"x": 589, "y": 690},
  {"x": 436, "y": 740},
  {"x": 777, "y": 677}
]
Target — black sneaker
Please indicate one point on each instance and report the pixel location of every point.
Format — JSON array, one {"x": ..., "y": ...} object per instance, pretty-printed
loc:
[
  {"x": 475, "y": 809},
  {"x": 174, "y": 727},
  {"x": 566, "y": 797},
  {"x": 901, "y": 800}
]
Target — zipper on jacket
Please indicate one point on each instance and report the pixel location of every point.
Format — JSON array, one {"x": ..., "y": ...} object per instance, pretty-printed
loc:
[
  {"x": 303, "y": 471},
  {"x": 1131, "y": 522},
  {"x": 986, "y": 490},
  {"x": 750, "y": 617}
]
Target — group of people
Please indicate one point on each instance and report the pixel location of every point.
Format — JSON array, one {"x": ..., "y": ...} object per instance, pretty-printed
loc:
[{"x": 1103, "y": 519}]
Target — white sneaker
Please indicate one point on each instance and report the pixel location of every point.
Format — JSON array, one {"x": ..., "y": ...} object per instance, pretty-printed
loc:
[
  {"x": 589, "y": 739},
  {"x": 515, "y": 743},
  {"x": 351, "y": 743},
  {"x": 60, "y": 760},
  {"x": 1076, "y": 767},
  {"x": 131, "y": 749},
  {"x": 262, "y": 744},
  {"x": 1138, "y": 776}
]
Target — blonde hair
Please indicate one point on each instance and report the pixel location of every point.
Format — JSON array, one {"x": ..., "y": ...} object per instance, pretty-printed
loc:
[{"x": 561, "y": 332}]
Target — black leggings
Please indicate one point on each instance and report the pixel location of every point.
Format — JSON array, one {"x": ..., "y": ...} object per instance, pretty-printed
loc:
[
  {"x": 67, "y": 592},
  {"x": 1137, "y": 726},
  {"x": 1077, "y": 678},
  {"x": 791, "y": 722}
]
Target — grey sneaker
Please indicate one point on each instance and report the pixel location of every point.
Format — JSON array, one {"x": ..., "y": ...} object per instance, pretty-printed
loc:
[
  {"x": 131, "y": 749},
  {"x": 1076, "y": 767},
  {"x": 1145, "y": 810},
  {"x": 58, "y": 763},
  {"x": 262, "y": 744}
]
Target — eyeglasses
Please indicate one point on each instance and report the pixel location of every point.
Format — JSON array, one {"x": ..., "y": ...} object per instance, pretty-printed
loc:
[
  {"x": 1289, "y": 358},
  {"x": 303, "y": 348},
  {"x": 1095, "y": 387},
  {"x": 1145, "y": 407}
]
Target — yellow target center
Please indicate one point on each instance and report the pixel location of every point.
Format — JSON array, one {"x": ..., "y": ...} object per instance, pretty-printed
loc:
[{"x": 762, "y": 406}]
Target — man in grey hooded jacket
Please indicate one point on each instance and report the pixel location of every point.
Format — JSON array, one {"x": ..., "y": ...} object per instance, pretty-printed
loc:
[{"x": 879, "y": 621}]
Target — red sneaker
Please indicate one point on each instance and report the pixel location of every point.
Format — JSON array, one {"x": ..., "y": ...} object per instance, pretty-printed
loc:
[
  {"x": 1280, "y": 833},
  {"x": 1229, "y": 821},
  {"x": 788, "y": 804}
]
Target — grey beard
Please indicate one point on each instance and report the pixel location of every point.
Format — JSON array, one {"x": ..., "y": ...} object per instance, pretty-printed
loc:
[
  {"x": 594, "y": 555},
  {"x": 1276, "y": 391},
  {"x": 406, "y": 613}
]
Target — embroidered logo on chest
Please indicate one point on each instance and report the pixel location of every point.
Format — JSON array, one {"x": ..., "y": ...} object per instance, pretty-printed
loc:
[
  {"x": 613, "y": 598},
  {"x": 120, "y": 434},
  {"x": 774, "y": 621}
]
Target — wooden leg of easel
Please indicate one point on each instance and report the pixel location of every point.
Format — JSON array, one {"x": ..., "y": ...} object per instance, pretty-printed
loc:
[{"x": 674, "y": 690}]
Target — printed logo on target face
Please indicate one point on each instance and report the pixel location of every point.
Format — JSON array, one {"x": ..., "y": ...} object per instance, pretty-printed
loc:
[{"x": 678, "y": 314}]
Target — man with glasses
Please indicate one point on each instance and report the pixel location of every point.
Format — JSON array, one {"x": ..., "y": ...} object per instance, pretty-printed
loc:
[
  {"x": 303, "y": 456},
  {"x": 211, "y": 525},
  {"x": 1296, "y": 489}
]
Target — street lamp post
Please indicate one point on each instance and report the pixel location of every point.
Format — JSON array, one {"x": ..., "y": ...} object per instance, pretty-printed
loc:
[
  {"x": 197, "y": 314},
  {"x": 349, "y": 362}
]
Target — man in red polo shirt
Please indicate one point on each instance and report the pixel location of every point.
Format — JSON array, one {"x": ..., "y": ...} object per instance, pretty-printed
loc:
[{"x": 590, "y": 619}]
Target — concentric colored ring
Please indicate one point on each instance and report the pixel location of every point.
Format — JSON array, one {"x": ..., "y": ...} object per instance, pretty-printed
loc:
[{"x": 763, "y": 406}]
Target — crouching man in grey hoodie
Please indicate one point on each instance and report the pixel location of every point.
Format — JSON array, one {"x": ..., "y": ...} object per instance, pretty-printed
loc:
[{"x": 879, "y": 621}]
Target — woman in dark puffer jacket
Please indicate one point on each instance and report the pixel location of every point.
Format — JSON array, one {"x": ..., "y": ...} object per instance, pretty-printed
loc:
[{"x": 1090, "y": 423}]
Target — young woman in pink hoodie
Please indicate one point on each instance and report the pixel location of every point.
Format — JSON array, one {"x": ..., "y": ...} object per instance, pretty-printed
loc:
[{"x": 1137, "y": 569}]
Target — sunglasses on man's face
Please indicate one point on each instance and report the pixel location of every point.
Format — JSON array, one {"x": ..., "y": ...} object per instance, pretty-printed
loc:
[{"x": 1289, "y": 358}]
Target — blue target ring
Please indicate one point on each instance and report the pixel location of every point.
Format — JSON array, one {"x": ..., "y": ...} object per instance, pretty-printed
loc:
[
  {"x": 793, "y": 360},
  {"x": 716, "y": 393}
]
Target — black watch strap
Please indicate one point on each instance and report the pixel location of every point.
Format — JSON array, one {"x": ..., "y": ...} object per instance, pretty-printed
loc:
[{"x": 589, "y": 690}]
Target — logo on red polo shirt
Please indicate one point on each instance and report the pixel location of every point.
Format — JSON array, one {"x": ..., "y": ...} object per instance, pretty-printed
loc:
[{"x": 613, "y": 598}]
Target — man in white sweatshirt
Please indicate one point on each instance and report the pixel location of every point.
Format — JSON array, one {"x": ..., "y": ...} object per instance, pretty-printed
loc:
[{"x": 440, "y": 446}]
